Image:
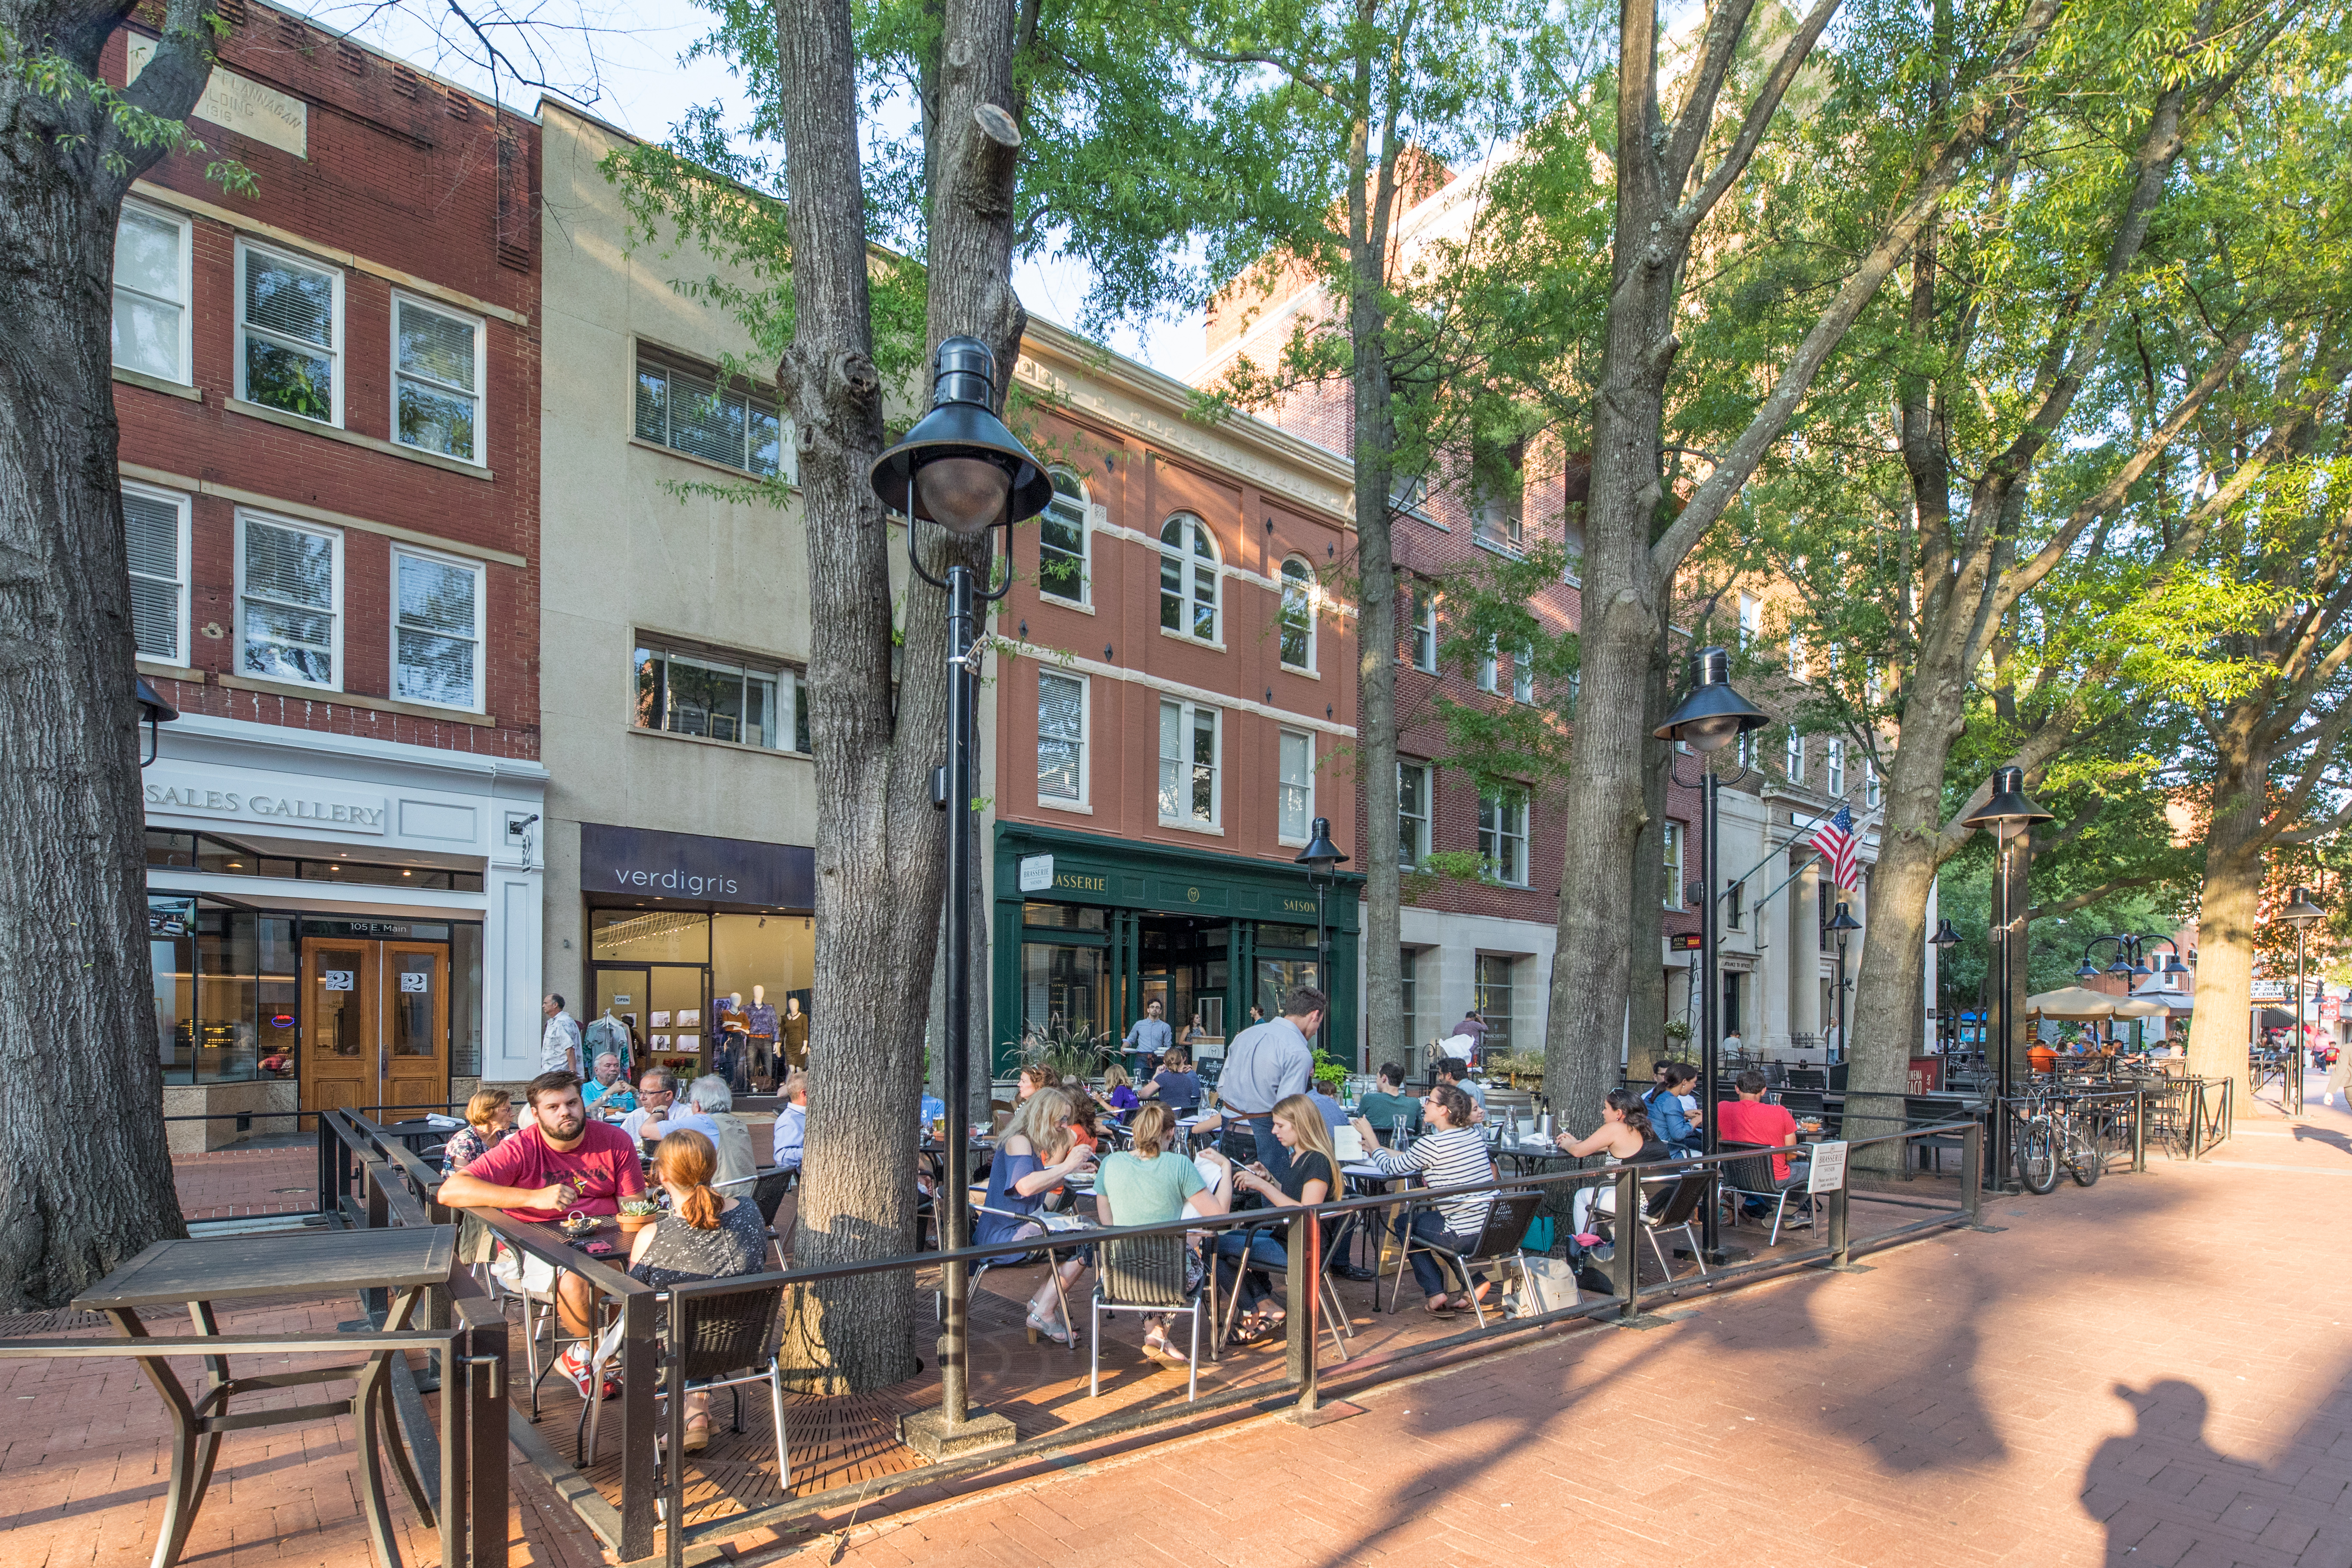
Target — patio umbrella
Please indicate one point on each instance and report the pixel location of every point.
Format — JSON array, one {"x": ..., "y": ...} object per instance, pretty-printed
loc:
[
  {"x": 2140, "y": 1007},
  {"x": 2071, "y": 1002},
  {"x": 2274, "y": 1019},
  {"x": 2171, "y": 998}
]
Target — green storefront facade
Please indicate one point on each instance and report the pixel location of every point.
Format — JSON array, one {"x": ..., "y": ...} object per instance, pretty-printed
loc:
[{"x": 1089, "y": 930}]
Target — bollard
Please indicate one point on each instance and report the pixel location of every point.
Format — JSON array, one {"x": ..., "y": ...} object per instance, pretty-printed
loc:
[
  {"x": 1306, "y": 1248},
  {"x": 1841, "y": 1247},
  {"x": 1972, "y": 1173},
  {"x": 2139, "y": 1131}
]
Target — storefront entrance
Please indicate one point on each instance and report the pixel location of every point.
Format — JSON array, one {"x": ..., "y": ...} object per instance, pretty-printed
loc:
[{"x": 375, "y": 1023}]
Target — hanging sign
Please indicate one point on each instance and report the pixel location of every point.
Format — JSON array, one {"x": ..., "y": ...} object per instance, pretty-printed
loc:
[
  {"x": 1036, "y": 873},
  {"x": 1828, "y": 1174}
]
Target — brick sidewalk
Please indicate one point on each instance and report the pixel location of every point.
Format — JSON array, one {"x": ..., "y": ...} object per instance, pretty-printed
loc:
[{"x": 2135, "y": 1374}]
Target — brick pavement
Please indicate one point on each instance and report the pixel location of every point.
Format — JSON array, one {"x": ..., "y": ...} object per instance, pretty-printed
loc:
[
  {"x": 2145, "y": 1372},
  {"x": 225, "y": 1183}
]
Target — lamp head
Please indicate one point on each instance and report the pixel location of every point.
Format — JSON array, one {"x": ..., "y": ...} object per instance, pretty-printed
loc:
[
  {"x": 2009, "y": 813},
  {"x": 2300, "y": 910},
  {"x": 1712, "y": 713},
  {"x": 1843, "y": 922},
  {"x": 969, "y": 471},
  {"x": 1945, "y": 935},
  {"x": 2088, "y": 971},
  {"x": 1321, "y": 856}
]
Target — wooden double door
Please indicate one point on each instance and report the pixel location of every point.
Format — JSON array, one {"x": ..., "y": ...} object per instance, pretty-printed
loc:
[{"x": 376, "y": 1023}]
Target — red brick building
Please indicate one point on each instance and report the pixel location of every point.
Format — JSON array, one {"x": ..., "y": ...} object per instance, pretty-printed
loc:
[{"x": 328, "y": 388}]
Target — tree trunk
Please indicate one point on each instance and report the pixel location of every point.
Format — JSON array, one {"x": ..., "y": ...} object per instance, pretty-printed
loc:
[
  {"x": 85, "y": 1174},
  {"x": 1645, "y": 975},
  {"x": 1376, "y": 652},
  {"x": 2229, "y": 905}
]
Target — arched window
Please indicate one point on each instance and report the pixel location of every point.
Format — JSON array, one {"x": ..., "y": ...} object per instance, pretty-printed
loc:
[
  {"x": 1062, "y": 541},
  {"x": 1298, "y": 613},
  {"x": 1188, "y": 578}
]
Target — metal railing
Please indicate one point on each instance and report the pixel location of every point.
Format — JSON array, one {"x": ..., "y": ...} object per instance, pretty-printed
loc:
[{"x": 648, "y": 1364}]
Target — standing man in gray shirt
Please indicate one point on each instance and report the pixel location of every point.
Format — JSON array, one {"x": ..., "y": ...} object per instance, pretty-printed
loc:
[
  {"x": 1150, "y": 1033},
  {"x": 1265, "y": 1064}
]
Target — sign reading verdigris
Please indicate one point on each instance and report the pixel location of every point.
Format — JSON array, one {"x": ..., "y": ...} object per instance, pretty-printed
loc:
[{"x": 260, "y": 798}]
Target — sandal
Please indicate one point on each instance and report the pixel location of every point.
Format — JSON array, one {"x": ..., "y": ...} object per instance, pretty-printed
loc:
[
  {"x": 1255, "y": 1329},
  {"x": 698, "y": 1434},
  {"x": 1052, "y": 1331},
  {"x": 1441, "y": 1307}
]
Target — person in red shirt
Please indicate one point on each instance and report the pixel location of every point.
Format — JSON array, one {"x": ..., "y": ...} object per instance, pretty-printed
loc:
[
  {"x": 1748, "y": 1119},
  {"x": 563, "y": 1162}
]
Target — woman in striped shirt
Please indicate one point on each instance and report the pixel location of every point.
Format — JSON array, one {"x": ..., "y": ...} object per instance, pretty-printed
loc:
[{"x": 1451, "y": 1153}]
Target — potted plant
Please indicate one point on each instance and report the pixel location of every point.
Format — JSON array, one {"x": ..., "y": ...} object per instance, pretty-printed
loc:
[{"x": 639, "y": 1213}]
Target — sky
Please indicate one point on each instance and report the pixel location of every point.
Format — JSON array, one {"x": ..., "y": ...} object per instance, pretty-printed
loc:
[{"x": 628, "y": 73}]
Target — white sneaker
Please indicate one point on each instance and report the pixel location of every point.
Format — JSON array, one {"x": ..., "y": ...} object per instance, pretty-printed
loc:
[{"x": 2329, "y": 1098}]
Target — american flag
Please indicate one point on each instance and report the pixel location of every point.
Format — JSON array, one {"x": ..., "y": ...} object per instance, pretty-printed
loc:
[{"x": 1836, "y": 841}]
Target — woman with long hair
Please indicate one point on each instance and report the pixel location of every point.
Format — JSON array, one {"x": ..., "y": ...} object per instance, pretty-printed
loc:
[
  {"x": 1149, "y": 1185},
  {"x": 1033, "y": 1158},
  {"x": 703, "y": 1236},
  {"x": 1624, "y": 1137},
  {"x": 1450, "y": 1153},
  {"x": 1243, "y": 1257}
]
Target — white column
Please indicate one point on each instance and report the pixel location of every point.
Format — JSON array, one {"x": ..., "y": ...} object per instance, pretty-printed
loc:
[{"x": 1805, "y": 951}]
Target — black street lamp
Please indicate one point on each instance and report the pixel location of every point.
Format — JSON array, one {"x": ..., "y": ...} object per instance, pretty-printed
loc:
[
  {"x": 962, "y": 468},
  {"x": 2302, "y": 914},
  {"x": 1842, "y": 925},
  {"x": 2006, "y": 815},
  {"x": 1706, "y": 720},
  {"x": 2129, "y": 965},
  {"x": 1943, "y": 941},
  {"x": 1322, "y": 858},
  {"x": 153, "y": 711}
]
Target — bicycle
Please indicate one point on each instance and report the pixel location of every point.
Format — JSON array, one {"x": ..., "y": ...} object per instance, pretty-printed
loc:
[{"x": 2049, "y": 1137}]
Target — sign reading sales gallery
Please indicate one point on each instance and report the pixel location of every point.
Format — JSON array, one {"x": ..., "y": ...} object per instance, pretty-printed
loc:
[{"x": 261, "y": 798}]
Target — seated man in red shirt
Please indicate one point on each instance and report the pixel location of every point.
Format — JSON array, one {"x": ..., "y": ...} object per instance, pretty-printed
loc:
[
  {"x": 1748, "y": 1119},
  {"x": 561, "y": 1161}
]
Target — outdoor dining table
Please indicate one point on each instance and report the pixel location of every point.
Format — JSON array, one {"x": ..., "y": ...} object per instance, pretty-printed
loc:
[{"x": 200, "y": 1275}]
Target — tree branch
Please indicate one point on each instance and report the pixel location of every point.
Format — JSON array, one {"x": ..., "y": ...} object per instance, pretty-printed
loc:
[{"x": 1760, "y": 116}]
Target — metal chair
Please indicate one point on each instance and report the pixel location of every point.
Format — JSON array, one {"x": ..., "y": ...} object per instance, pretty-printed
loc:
[
  {"x": 725, "y": 1334},
  {"x": 1501, "y": 1236},
  {"x": 1678, "y": 1214},
  {"x": 1143, "y": 1274},
  {"x": 1335, "y": 1316},
  {"x": 1016, "y": 1252},
  {"x": 1752, "y": 1178}
]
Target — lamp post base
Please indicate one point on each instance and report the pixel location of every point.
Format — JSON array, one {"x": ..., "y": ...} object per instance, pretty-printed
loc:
[{"x": 931, "y": 1434}]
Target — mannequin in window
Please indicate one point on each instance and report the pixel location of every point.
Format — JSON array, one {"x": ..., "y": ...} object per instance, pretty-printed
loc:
[
  {"x": 609, "y": 1034},
  {"x": 796, "y": 1031},
  {"x": 762, "y": 1063},
  {"x": 729, "y": 1035}
]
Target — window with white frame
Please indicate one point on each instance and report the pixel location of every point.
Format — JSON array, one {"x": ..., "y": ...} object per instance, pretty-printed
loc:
[
  {"x": 1295, "y": 805},
  {"x": 1794, "y": 762},
  {"x": 1187, "y": 765},
  {"x": 1523, "y": 673},
  {"x": 1503, "y": 833},
  {"x": 155, "y": 535},
  {"x": 1061, "y": 737},
  {"x": 1751, "y": 619},
  {"x": 1674, "y": 859},
  {"x": 1062, "y": 541},
  {"x": 1298, "y": 613},
  {"x": 290, "y": 327},
  {"x": 289, "y": 601},
  {"x": 436, "y": 641},
  {"x": 1745, "y": 749},
  {"x": 686, "y": 688},
  {"x": 682, "y": 405},
  {"x": 1424, "y": 628},
  {"x": 438, "y": 371},
  {"x": 1188, "y": 578},
  {"x": 1797, "y": 664},
  {"x": 151, "y": 292},
  {"x": 1499, "y": 517},
  {"x": 1834, "y": 756},
  {"x": 1873, "y": 791},
  {"x": 1490, "y": 668},
  {"x": 1413, "y": 814}
]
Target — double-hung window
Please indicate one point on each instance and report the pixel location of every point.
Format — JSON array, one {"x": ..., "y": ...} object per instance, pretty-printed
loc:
[
  {"x": 1297, "y": 615},
  {"x": 1835, "y": 757},
  {"x": 1873, "y": 791},
  {"x": 718, "y": 695},
  {"x": 1523, "y": 673},
  {"x": 290, "y": 332},
  {"x": 1295, "y": 789},
  {"x": 155, "y": 532},
  {"x": 1490, "y": 678},
  {"x": 437, "y": 615},
  {"x": 1424, "y": 628},
  {"x": 1187, "y": 765},
  {"x": 1413, "y": 814},
  {"x": 1062, "y": 542},
  {"x": 1499, "y": 519},
  {"x": 684, "y": 406},
  {"x": 437, "y": 372},
  {"x": 1503, "y": 833},
  {"x": 289, "y": 601},
  {"x": 1751, "y": 619},
  {"x": 1061, "y": 738},
  {"x": 151, "y": 292},
  {"x": 1674, "y": 859},
  {"x": 1188, "y": 578},
  {"x": 1795, "y": 761}
]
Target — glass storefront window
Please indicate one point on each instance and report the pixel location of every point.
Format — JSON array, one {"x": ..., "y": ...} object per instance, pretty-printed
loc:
[
  {"x": 1060, "y": 989},
  {"x": 1286, "y": 936},
  {"x": 465, "y": 1002},
  {"x": 775, "y": 953},
  {"x": 1276, "y": 977},
  {"x": 225, "y": 857},
  {"x": 225, "y": 997},
  {"x": 648, "y": 936},
  {"x": 1061, "y": 917},
  {"x": 278, "y": 992},
  {"x": 172, "y": 950}
]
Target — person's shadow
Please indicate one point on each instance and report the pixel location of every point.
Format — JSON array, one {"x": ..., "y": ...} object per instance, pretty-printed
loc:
[{"x": 2132, "y": 1479}]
